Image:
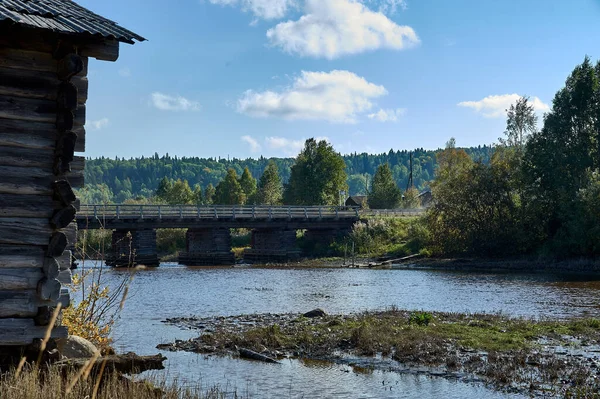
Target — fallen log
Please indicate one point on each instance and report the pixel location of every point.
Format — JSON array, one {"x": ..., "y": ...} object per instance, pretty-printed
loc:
[
  {"x": 128, "y": 363},
  {"x": 248, "y": 354}
]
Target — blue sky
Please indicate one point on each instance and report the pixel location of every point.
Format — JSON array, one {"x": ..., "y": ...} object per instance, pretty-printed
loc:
[{"x": 244, "y": 78}]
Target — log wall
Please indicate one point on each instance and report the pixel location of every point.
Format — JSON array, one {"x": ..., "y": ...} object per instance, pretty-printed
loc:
[{"x": 42, "y": 114}]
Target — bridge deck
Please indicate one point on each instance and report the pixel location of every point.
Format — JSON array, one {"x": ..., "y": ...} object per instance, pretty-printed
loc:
[{"x": 168, "y": 216}]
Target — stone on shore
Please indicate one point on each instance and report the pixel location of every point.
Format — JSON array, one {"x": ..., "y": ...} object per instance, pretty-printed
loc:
[
  {"x": 75, "y": 347},
  {"x": 315, "y": 313}
]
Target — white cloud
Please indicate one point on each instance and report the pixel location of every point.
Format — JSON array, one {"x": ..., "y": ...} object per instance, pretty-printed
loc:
[
  {"x": 288, "y": 146},
  {"x": 337, "y": 96},
  {"x": 496, "y": 106},
  {"x": 388, "y": 115},
  {"x": 166, "y": 102},
  {"x": 97, "y": 125},
  {"x": 334, "y": 28},
  {"x": 264, "y": 9},
  {"x": 254, "y": 146},
  {"x": 125, "y": 72},
  {"x": 389, "y": 7}
]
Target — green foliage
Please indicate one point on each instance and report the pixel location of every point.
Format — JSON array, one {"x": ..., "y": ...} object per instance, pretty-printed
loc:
[
  {"x": 420, "y": 318},
  {"x": 270, "y": 190},
  {"x": 411, "y": 199},
  {"x": 378, "y": 236},
  {"x": 317, "y": 176},
  {"x": 229, "y": 191},
  {"x": 248, "y": 184},
  {"x": 385, "y": 193},
  {"x": 170, "y": 241},
  {"x": 209, "y": 194}
]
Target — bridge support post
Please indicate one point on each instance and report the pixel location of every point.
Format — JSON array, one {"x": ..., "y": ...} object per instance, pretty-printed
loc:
[
  {"x": 132, "y": 248},
  {"x": 272, "y": 245},
  {"x": 320, "y": 239},
  {"x": 207, "y": 247}
]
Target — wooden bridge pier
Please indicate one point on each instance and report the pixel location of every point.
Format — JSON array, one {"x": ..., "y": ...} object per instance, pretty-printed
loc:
[
  {"x": 207, "y": 247},
  {"x": 272, "y": 245},
  {"x": 132, "y": 248}
]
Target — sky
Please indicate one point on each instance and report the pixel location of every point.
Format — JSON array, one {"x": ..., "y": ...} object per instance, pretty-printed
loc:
[{"x": 244, "y": 78}]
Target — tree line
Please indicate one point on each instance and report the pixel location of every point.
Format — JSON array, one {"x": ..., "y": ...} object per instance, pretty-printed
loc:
[
  {"x": 540, "y": 192},
  {"x": 117, "y": 180}
]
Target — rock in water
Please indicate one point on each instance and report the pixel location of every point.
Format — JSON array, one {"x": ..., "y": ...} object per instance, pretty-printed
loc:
[
  {"x": 315, "y": 313},
  {"x": 75, "y": 347}
]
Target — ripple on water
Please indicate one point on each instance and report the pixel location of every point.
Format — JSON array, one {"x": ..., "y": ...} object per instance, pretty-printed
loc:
[{"x": 177, "y": 291}]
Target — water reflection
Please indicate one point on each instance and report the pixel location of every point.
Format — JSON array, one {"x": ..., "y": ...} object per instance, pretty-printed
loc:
[{"x": 177, "y": 291}]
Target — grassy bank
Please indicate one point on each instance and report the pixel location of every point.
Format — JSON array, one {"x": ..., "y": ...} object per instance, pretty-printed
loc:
[
  {"x": 52, "y": 383},
  {"x": 527, "y": 355}
]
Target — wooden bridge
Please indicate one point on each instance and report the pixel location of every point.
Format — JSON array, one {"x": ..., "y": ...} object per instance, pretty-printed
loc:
[{"x": 208, "y": 237}]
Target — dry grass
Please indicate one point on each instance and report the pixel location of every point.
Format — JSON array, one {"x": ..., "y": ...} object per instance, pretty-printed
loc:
[{"x": 34, "y": 383}]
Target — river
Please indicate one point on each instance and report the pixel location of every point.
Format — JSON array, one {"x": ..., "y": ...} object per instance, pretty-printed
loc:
[{"x": 178, "y": 291}]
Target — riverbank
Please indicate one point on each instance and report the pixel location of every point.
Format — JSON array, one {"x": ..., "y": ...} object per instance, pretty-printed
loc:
[{"x": 544, "y": 357}]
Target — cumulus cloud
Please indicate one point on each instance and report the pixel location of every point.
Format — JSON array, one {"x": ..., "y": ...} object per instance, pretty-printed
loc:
[
  {"x": 388, "y": 115},
  {"x": 99, "y": 124},
  {"x": 166, "y": 102},
  {"x": 288, "y": 146},
  {"x": 264, "y": 9},
  {"x": 331, "y": 29},
  {"x": 496, "y": 106},
  {"x": 251, "y": 141},
  {"x": 389, "y": 7},
  {"x": 336, "y": 96}
]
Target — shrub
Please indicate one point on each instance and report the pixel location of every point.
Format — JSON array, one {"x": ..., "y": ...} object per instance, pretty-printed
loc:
[{"x": 420, "y": 318}]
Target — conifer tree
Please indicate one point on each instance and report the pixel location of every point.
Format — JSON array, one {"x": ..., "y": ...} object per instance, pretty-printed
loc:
[
  {"x": 269, "y": 187},
  {"x": 385, "y": 193}
]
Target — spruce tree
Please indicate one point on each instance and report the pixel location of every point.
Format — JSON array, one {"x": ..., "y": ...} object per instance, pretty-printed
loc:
[
  {"x": 385, "y": 193},
  {"x": 248, "y": 184},
  {"x": 229, "y": 191},
  {"x": 269, "y": 187}
]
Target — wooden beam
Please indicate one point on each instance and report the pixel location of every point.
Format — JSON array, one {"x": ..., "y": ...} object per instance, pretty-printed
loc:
[
  {"x": 18, "y": 279},
  {"x": 69, "y": 66},
  {"x": 22, "y": 134},
  {"x": 23, "y": 331},
  {"x": 63, "y": 217},
  {"x": 39, "y": 85},
  {"x": 28, "y": 231},
  {"x": 41, "y": 40},
  {"x": 26, "y": 256},
  {"x": 25, "y": 303},
  {"x": 34, "y": 181},
  {"x": 35, "y": 110}
]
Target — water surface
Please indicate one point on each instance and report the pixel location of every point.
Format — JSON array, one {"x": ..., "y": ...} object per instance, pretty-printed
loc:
[{"x": 178, "y": 291}]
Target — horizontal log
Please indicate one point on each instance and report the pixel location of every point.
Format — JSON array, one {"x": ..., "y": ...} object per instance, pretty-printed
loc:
[
  {"x": 25, "y": 303},
  {"x": 34, "y": 181},
  {"x": 48, "y": 289},
  {"x": 29, "y": 231},
  {"x": 27, "y": 256},
  {"x": 69, "y": 66},
  {"x": 24, "y": 331},
  {"x": 44, "y": 41},
  {"x": 24, "y": 134},
  {"x": 35, "y": 110},
  {"x": 33, "y": 61},
  {"x": 63, "y": 217},
  {"x": 18, "y": 279},
  {"x": 38, "y": 85},
  {"x": 28, "y": 206}
]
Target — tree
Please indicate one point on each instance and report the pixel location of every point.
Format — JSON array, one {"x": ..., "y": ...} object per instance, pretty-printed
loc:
[
  {"x": 521, "y": 122},
  {"x": 248, "y": 184},
  {"x": 411, "y": 199},
  {"x": 209, "y": 194},
  {"x": 317, "y": 177},
  {"x": 229, "y": 191},
  {"x": 198, "y": 199},
  {"x": 164, "y": 188},
  {"x": 385, "y": 193},
  {"x": 269, "y": 186}
]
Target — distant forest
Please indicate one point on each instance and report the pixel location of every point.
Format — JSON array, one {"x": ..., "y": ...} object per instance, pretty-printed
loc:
[{"x": 121, "y": 179}]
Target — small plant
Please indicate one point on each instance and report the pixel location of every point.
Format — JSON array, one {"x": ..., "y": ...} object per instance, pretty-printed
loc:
[{"x": 420, "y": 318}]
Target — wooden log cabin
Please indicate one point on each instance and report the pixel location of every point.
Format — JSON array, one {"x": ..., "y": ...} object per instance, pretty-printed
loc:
[{"x": 45, "y": 46}]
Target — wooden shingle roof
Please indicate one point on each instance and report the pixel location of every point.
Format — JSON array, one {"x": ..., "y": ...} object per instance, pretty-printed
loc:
[{"x": 63, "y": 16}]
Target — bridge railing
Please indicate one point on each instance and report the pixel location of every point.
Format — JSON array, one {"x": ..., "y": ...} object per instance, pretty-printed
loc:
[
  {"x": 214, "y": 212},
  {"x": 391, "y": 212}
]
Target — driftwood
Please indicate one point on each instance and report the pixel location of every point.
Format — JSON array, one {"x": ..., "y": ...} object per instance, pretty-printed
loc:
[
  {"x": 249, "y": 354},
  {"x": 128, "y": 363}
]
